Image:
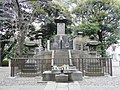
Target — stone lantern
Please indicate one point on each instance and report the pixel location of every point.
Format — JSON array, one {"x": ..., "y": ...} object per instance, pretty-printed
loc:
[
  {"x": 39, "y": 37},
  {"x": 31, "y": 47},
  {"x": 92, "y": 44}
]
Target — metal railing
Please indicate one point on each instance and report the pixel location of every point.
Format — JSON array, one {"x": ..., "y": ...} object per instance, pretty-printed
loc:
[
  {"x": 22, "y": 66},
  {"x": 94, "y": 65},
  {"x": 85, "y": 65}
]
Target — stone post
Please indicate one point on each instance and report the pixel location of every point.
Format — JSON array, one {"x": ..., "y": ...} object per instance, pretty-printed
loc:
[
  {"x": 40, "y": 45},
  {"x": 74, "y": 44},
  {"x": 48, "y": 45},
  {"x": 0, "y": 54}
]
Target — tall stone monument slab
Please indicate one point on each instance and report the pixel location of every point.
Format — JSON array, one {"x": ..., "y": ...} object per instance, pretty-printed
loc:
[
  {"x": 60, "y": 21},
  {"x": 60, "y": 28},
  {"x": 61, "y": 40}
]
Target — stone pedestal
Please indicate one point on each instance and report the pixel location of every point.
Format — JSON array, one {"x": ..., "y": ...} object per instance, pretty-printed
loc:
[
  {"x": 67, "y": 74},
  {"x": 48, "y": 76},
  {"x": 76, "y": 76},
  {"x": 61, "y": 78},
  {"x": 56, "y": 71}
]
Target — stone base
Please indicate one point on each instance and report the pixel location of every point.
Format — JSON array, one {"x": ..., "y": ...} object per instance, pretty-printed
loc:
[
  {"x": 61, "y": 78},
  {"x": 56, "y": 71},
  {"x": 64, "y": 77},
  {"x": 48, "y": 76},
  {"x": 76, "y": 76}
]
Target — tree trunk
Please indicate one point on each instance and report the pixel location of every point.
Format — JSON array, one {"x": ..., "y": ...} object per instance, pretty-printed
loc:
[
  {"x": 100, "y": 35},
  {"x": 20, "y": 36}
]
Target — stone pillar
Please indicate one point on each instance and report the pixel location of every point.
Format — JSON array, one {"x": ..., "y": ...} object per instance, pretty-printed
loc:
[
  {"x": 74, "y": 44},
  {"x": 40, "y": 45},
  {"x": 60, "y": 41},
  {"x": 9, "y": 62},
  {"x": 0, "y": 54},
  {"x": 48, "y": 45}
]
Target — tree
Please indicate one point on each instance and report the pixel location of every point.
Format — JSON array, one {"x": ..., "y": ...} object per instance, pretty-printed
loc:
[
  {"x": 7, "y": 14},
  {"x": 45, "y": 13},
  {"x": 100, "y": 18},
  {"x": 11, "y": 21},
  {"x": 21, "y": 20}
]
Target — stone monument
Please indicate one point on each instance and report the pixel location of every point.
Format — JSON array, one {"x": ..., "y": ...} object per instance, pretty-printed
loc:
[
  {"x": 61, "y": 38},
  {"x": 31, "y": 47},
  {"x": 61, "y": 71},
  {"x": 60, "y": 21}
]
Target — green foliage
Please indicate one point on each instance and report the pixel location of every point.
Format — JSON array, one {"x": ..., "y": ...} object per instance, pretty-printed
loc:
[
  {"x": 25, "y": 50},
  {"x": 47, "y": 12},
  {"x": 89, "y": 28},
  {"x": 110, "y": 40},
  {"x": 5, "y": 62},
  {"x": 41, "y": 10},
  {"x": 33, "y": 2},
  {"x": 99, "y": 17}
]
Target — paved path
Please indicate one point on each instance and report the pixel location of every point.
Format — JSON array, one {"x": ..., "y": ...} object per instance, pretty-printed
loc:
[
  {"x": 31, "y": 83},
  {"x": 22, "y": 88},
  {"x": 62, "y": 86}
]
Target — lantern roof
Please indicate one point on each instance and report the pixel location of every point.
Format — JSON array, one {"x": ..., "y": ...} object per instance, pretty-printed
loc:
[
  {"x": 92, "y": 43},
  {"x": 30, "y": 44},
  {"x": 60, "y": 19}
]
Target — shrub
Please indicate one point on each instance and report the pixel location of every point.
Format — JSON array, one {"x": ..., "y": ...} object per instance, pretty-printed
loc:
[{"x": 5, "y": 62}]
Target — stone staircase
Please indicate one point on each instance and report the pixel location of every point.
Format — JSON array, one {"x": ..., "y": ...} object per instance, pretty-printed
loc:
[
  {"x": 94, "y": 69},
  {"x": 61, "y": 57}
]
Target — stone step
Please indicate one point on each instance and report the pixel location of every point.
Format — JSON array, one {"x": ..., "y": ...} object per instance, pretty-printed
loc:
[
  {"x": 61, "y": 57},
  {"x": 62, "y": 50},
  {"x": 61, "y": 53},
  {"x": 61, "y": 62}
]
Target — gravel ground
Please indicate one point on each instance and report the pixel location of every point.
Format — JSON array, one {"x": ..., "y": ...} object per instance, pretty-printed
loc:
[
  {"x": 6, "y": 80},
  {"x": 103, "y": 80}
]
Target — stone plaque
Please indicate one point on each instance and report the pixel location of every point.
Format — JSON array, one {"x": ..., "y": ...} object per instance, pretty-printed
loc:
[{"x": 60, "y": 28}]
